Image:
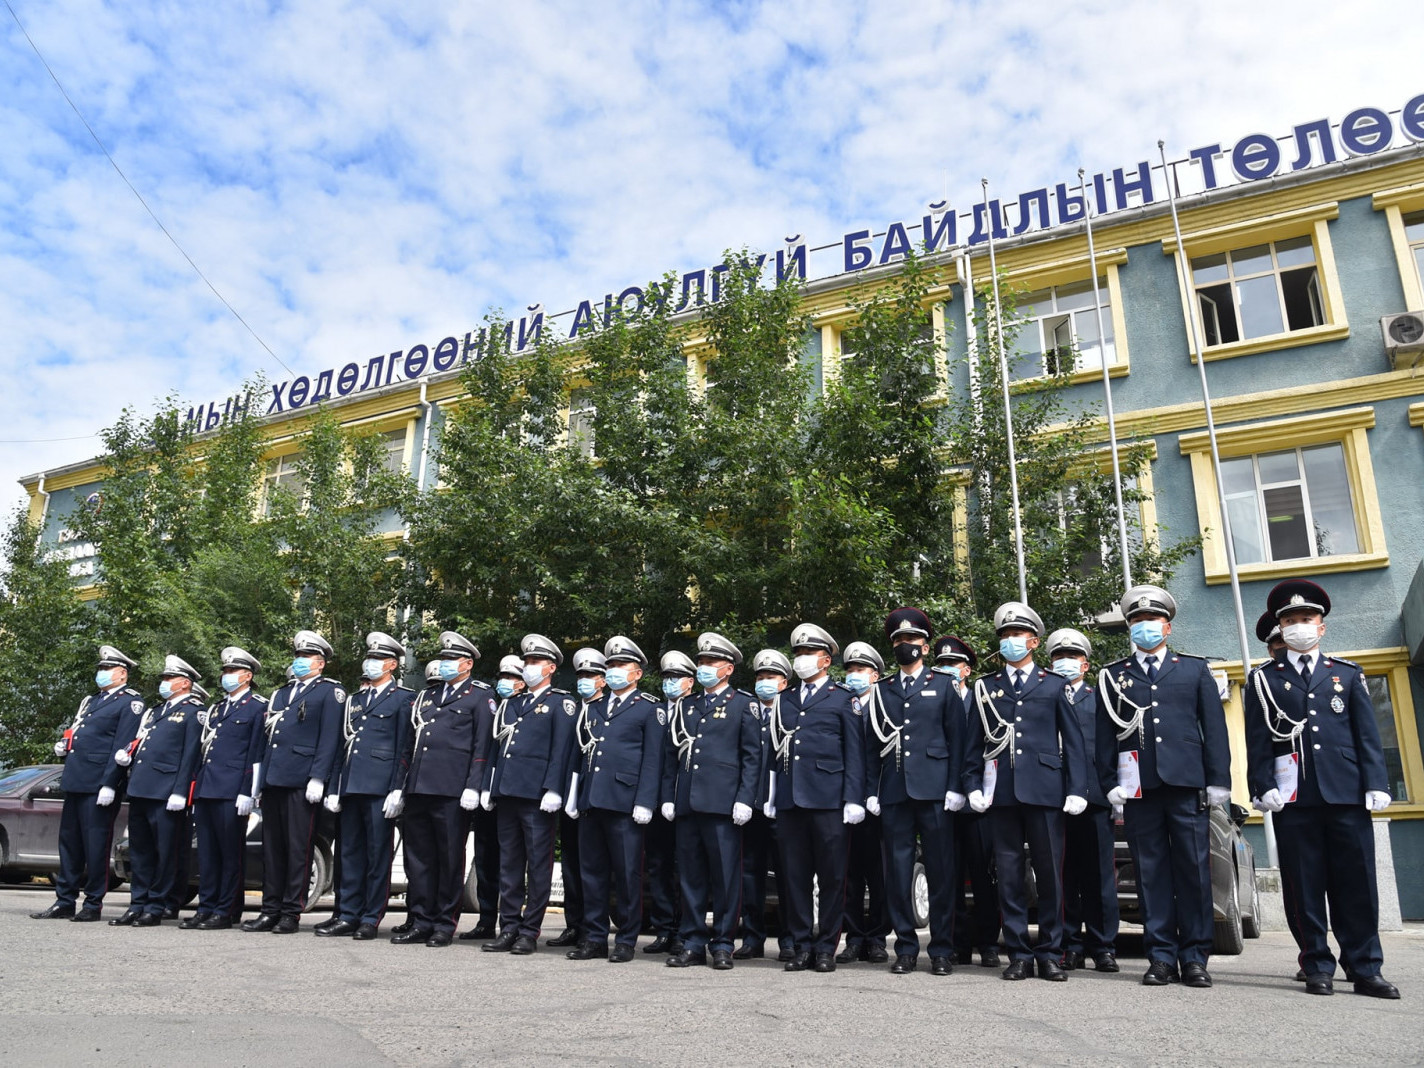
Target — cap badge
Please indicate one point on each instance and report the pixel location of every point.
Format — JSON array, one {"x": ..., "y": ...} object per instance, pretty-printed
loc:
[{"x": 1297, "y": 599}]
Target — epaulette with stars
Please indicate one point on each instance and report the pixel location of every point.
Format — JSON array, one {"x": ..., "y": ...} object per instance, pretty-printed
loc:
[
  {"x": 130, "y": 691},
  {"x": 1333, "y": 659},
  {"x": 840, "y": 686},
  {"x": 480, "y": 684}
]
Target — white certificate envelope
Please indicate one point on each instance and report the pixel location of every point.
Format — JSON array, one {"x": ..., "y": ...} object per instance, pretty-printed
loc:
[
  {"x": 991, "y": 779},
  {"x": 1129, "y": 773},
  {"x": 1288, "y": 775}
]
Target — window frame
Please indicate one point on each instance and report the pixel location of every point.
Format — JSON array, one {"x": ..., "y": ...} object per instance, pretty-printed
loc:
[
  {"x": 1348, "y": 427},
  {"x": 1397, "y": 203},
  {"x": 1313, "y": 222},
  {"x": 1112, "y": 319},
  {"x": 833, "y": 329}
]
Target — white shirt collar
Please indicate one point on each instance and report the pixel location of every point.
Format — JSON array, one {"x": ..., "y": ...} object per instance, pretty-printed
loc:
[
  {"x": 1295, "y": 658},
  {"x": 1160, "y": 653},
  {"x": 909, "y": 677}
]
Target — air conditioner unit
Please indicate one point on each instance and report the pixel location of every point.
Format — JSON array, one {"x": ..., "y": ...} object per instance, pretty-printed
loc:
[{"x": 1404, "y": 338}]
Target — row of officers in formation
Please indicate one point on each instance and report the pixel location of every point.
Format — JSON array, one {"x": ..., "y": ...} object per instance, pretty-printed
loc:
[{"x": 837, "y": 785}]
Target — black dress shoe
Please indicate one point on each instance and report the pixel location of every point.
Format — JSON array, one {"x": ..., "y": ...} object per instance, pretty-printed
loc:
[
  {"x": 194, "y": 921},
  {"x": 964, "y": 956},
  {"x": 523, "y": 946},
  {"x": 404, "y": 928},
  {"x": 287, "y": 925},
  {"x": 339, "y": 929},
  {"x": 366, "y": 932},
  {"x": 1196, "y": 975},
  {"x": 785, "y": 953},
  {"x": 825, "y": 962},
  {"x": 660, "y": 944},
  {"x": 875, "y": 955},
  {"x": 941, "y": 966},
  {"x": 799, "y": 962},
  {"x": 586, "y": 951},
  {"x": 1319, "y": 984},
  {"x": 1052, "y": 971},
  {"x": 484, "y": 930},
  {"x": 1376, "y": 986},
  {"x": 687, "y": 958},
  {"x": 1160, "y": 973},
  {"x": 903, "y": 965},
  {"x": 170, "y": 914},
  {"x": 503, "y": 944},
  {"x": 85, "y": 916},
  {"x": 1072, "y": 960},
  {"x": 263, "y": 921},
  {"x": 569, "y": 936},
  {"x": 1299, "y": 976},
  {"x": 148, "y": 919},
  {"x": 989, "y": 958},
  {"x": 127, "y": 919},
  {"x": 215, "y": 923},
  {"x": 440, "y": 939},
  {"x": 748, "y": 950},
  {"x": 721, "y": 960},
  {"x": 54, "y": 912},
  {"x": 1018, "y": 969},
  {"x": 850, "y": 954},
  {"x": 326, "y": 924},
  {"x": 412, "y": 937},
  {"x": 1105, "y": 962},
  {"x": 620, "y": 954}
]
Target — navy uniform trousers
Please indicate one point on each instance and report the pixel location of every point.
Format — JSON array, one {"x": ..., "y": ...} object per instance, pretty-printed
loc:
[
  {"x": 433, "y": 833},
  {"x": 1327, "y": 855},
  {"x": 709, "y": 862},
  {"x": 611, "y": 852},
  {"x": 866, "y": 924},
  {"x": 902, "y": 824},
  {"x": 286, "y": 855},
  {"x": 486, "y": 828},
  {"x": 1090, "y": 907},
  {"x": 662, "y": 907},
  {"x": 572, "y": 872},
  {"x": 182, "y": 861},
  {"x": 1041, "y": 826},
  {"x": 759, "y": 861},
  {"x": 153, "y": 830},
  {"x": 222, "y": 845},
  {"x": 1169, "y": 831},
  {"x": 813, "y": 842},
  {"x": 526, "y": 864},
  {"x": 367, "y": 847},
  {"x": 86, "y": 836},
  {"x": 976, "y": 926}
]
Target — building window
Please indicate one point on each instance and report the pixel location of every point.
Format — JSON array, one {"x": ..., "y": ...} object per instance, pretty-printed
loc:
[
  {"x": 1414, "y": 237},
  {"x": 1385, "y": 719},
  {"x": 1258, "y": 291},
  {"x": 282, "y": 474},
  {"x": 393, "y": 442},
  {"x": 1291, "y": 504},
  {"x": 581, "y": 421},
  {"x": 1059, "y": 331}
]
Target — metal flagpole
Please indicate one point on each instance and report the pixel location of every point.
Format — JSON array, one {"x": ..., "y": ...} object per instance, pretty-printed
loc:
[
  {"x": 1008, "y": 408},
  {"x": 1184, "y": 278},
  {"x": 1107, "y": 387}
]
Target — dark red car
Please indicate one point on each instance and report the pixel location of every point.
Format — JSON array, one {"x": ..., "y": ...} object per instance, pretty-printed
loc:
[{"x": 30, "y": 804}]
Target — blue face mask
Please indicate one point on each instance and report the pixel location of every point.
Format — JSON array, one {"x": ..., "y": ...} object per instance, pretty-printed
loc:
[
  {"x": 1013, "y": 649},
  {"x": 766, "y": 689},
  {"x": 1147, "y": 633},
  {"x": 231, "y": 681},
  {"x": 1068, "y": 667},
  {"x": 858, "y": 681},
  {"x": 672, "y": 688},
  {"x": 449, "y": 669},
  {"x": 504, "y": 687},
  {"x": 707, "y": 676},
  {"x": 165, "y": 689},
  {"x": 617, "y": 678},
  {"x": 945, "y": 669},
  {"x": 302, "y": 666},
  {"x": 372, "y": 668},
  {"x": 586, "y": 688},
  {"x": 104, "y": 678}
]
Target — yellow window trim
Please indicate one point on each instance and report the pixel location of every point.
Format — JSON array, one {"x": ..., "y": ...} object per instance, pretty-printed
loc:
[
  {"x": 1051, "y": 272},
  {"x": 1416, "y": 414},
  {"x": 1395, "y": 203},
  {"x": 1347, "y": 427},
  {"x": 1058, "y": 274}
]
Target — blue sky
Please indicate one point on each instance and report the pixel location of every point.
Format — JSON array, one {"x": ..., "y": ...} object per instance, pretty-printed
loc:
[{"x": 359, "y": 177}]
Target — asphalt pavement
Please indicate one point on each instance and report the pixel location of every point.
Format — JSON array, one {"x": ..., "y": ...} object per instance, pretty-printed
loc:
[{"x": 94, "y": 994}]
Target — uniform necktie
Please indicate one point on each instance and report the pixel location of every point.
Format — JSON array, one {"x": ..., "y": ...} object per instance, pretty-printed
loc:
[
  {"x": 806, "y": 692},
  {"x": 1305, "y": 669},
  {"x": 1151, "y": 662},
  {"x": 1018, "y": 681}
]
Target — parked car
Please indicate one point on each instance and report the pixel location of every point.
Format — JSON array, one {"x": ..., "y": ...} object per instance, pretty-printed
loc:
[{"x": 31, "y": 802}]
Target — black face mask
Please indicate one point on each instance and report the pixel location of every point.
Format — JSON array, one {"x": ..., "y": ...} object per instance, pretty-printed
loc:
[{"x": 908, "y": 653}]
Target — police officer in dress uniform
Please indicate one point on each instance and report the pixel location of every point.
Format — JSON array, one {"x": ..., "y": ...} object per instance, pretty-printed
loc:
[
  {"x": 659, "y": 838},
  {"x": 362, "y": 791},
  {"x": 709, "y": 786},
  {"x": 1315, "y": 759},
  {"x": 441, "y": 786},
  {"x": 304, "y": 731},
  {"x": 533, "y": 745},
  {"x": 1163, "y": 754},
  {"x": 816, "y": 791},
  {"x": 759, "y": 851},
  {"x": 158, "y": 752},
  {"x": 866, "y": 923},
  {"x": 433, "y": 685},
  {"x": 976, "y": 927},
  {"x": 1026, "y": 766},
  {"x": 86, "y": 824},
  {"x": 233, "y": 740},
  {"x": 1089, "y": 873},
  {"x": 589, "y": 682},
  {"x": 613, "y": 794},
  {"x": 180, "y": 886},
  {"x": 914, "y": 772}
]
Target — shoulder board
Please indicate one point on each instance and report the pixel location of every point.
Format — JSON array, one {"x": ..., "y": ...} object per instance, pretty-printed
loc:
[
  {"x": 1188, "y": 656},
  {"x": 839, "y": 686},
  {"x": 1123, "y": 662},
  {"x": 324, "y": 678},
  {"x": 481, "y": 685},
  {"x": 404, "y": 689},
  {"x": 747, "y": 694},
  {"x": 257, "y": 697},
  {"x": 193, "y": 699},
  {"x": 646, "y": 697},
  {"x": 552, "y": 689},
  {"x": 129, "y": 690},
  {"x": 1348, "y": 663}
]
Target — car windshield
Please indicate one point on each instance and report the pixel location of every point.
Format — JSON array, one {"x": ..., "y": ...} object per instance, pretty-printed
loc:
[{"x": 14, "y": 781}]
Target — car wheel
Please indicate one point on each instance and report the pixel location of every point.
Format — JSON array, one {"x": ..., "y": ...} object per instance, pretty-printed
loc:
[
  {"x": 1251, "y": 925},
  {"x": 1227, "y": 939},
  {"x": 320, "y": 882},
  {"x": 920, "y": 895}
]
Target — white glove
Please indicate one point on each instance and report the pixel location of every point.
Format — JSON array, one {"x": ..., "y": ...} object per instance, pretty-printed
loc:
[
  {"x": 315, "y": 789},
  {"x": 395, "y": 801},
  {"x": 332, "y": 803},
  {"x": 176, "y": 803},
  {"x": 1377, "y": 800},
  {"x": 1075, "y": 805},
  {"x": 669, "y": 811},
  {"x": 1218, "y": 795},
  {"x": 852, "y": 813},
  {"x": 60, "y": 748},
  {"x": 642, "y": 815},
  {"x": 570, "y": 808},
  {"x": 1117, "y": 796},
  {"x": 244, "y": 805},
  {"x": 106, "y": 796},
  {"x": 741, "y": 813},
  {"x": 978, "y": 802},
  {"x": 550, "y": 802},
  {"x": 470, "y": 798},
  {"x": 123, "y": 758},
  {"x": 872, "y": 805},
  {"x": 953, "y": 802},
  {"x": 769, "y": 810},
  {"x": 1270, "y": 801},
  {"x": 487, "y": 801}
]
